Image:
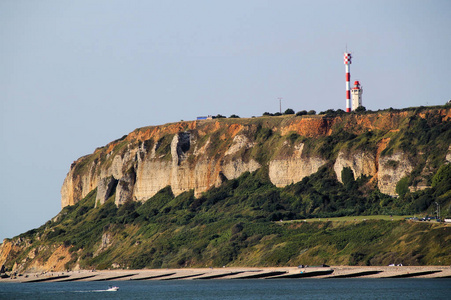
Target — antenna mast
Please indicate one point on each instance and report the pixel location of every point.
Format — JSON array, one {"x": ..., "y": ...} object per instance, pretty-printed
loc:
[{"x": 347, "y": 61}]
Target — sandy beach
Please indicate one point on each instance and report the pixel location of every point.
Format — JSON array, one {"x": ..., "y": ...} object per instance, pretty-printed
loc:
[{"x": 238, "y": 273}]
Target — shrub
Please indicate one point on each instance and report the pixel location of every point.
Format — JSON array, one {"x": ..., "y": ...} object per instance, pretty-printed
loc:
[
  {"x": 393, "y": 164},
  {"x": 293, "y": 137},
  {"x": 443, "y": 175},
  {"x": 402, "y": 187},
  {"x": 328, "y": 112},
  {"x": 263, "y": 133},
  {"x": 289, "y": 111},
  {"x": 360, "y": 109},
  {"x": 441, "y": 181},
  {"x": 347, "y": 176}
]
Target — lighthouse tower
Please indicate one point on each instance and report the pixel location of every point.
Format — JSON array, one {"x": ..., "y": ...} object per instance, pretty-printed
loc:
[
  {"x": 356, "y": 92},
  {"x": 347, "y": 61}
]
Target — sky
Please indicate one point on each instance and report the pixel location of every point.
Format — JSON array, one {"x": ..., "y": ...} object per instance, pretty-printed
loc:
[{"x": 75, "y": 75}]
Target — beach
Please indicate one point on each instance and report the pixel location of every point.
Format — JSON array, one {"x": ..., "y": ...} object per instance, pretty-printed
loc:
[{"x": 238, "y": 273}]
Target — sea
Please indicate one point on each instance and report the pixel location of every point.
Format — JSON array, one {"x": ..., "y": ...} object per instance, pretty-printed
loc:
[{"x": 406, "y": 288}]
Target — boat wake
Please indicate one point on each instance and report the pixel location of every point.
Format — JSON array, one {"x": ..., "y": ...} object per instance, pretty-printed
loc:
[{"x": 110, "y": 289}]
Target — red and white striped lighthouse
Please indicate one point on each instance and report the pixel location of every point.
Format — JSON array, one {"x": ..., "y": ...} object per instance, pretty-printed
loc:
[
  {"x": 356, "y": 92},
  {"x": 347, "y": 61}
]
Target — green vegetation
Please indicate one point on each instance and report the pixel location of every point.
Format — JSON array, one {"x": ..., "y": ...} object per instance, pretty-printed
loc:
[
  {"x": 402, "y": 187},
  {"x": 360, "y": 109},
  {"x": 288, "y": 111},
  {"x": 163, "y": 147}
]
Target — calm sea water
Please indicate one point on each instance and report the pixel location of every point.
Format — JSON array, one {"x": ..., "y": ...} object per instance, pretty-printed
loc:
[{"x": 236, "y": 289}]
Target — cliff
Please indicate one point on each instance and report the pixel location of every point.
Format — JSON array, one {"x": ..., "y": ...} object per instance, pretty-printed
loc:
[
  {"x": 198, "y": 155},
  {"x": 251, "y": 192}
]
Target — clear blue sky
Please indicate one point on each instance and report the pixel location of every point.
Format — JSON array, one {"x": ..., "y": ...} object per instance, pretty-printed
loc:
[{"x": 75, "y": 75}]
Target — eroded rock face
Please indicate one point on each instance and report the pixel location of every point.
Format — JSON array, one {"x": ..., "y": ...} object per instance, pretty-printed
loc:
[
  {"x": 35, "y": 260},
  {"x": 361, "y": 163},
  {"x": 285, "y": 171},
  {"x": 239, "y": 142},
  {"x": 205, "y": 175},
  {"x": 105, "y": 243},
  {"x": 448, "y": 155},
  {"x": 234, "y": 168},
  {"x": 125, "y": 187},
  {"x": 56, "y": 262},
  {"x": 154, "y": 173},
  {"x": 233, "y": 165},
  {"x": 151, "y": 176},
  {"x": 180, "y": 145},
  {"x": 392, "y": 169},
  {"x": 6, "y": 249},
  {"x": 71, "y": 192},
  {"x": 105, "y": 189}
]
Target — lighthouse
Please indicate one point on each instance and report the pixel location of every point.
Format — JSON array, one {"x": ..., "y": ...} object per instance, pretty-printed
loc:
[
  {"x": 347, "y": 61},
  {"x": 356, "y": 92}
]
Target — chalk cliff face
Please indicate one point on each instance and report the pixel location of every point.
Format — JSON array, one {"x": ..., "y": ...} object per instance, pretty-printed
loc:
[
  {"x": 198, "y": 155},
  {"x": 361, "y": 163},
  {"x": 292, "y": 169},
  {"x": 156, "y": 158}
]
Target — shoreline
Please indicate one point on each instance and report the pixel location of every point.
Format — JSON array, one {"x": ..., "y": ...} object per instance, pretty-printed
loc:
[{"x": 237, "y": 273}]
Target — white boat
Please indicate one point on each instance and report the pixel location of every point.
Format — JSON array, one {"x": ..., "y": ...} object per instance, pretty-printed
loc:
[{"x": 113, "y": 288}]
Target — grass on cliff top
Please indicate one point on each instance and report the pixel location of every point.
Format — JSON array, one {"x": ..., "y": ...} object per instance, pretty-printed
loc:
[{"x": 275, "y": 120}]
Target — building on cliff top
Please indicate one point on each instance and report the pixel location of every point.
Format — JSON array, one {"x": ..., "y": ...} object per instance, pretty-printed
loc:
[
  {"x": 356, "y": 92},
  {"x": 210, "y": 117}
]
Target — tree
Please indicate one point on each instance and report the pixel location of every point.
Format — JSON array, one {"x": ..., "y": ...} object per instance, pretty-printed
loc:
[
  {"x": 441, "y": 181},
  {"x": 234, "y": 116},
  {"x": 289, "y": 111},
  {"x": 328, "y": 112},
  {"x": 301, "y": 113},
  {"x": 219, "y": 116},
  {"x": 311, "y": 112},
  {"x": 402, "y": 187},
  {"x": 347, "y": 177},
  {"x": 267, "y": 114},
  {"x": 360, "y": 109}
]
